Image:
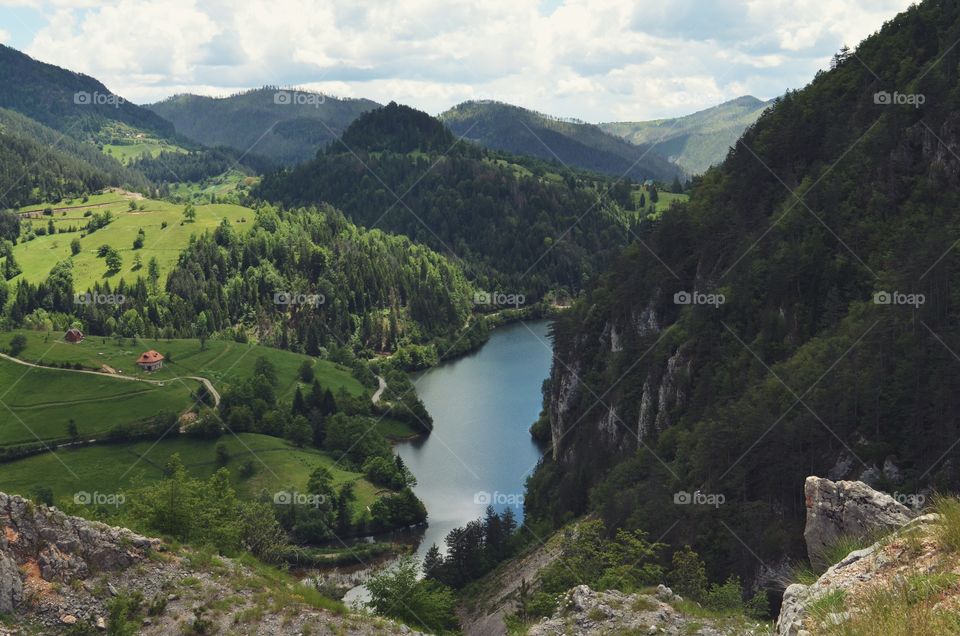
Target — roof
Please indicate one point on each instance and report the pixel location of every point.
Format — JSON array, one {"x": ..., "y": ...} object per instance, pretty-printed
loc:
[
  {"x": 75, "y": 331},
  {"x": 149, "y": 357}
]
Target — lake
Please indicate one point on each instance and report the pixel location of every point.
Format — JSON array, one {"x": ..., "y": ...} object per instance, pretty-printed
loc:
[{"x": 480, "y": 449}]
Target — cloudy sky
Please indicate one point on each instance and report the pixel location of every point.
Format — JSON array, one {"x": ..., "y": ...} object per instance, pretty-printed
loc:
[{"x": 598, "y": 60}]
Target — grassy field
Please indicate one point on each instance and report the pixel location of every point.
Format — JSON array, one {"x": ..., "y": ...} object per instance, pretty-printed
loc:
[
  {"x": 38, "y": 403},
  {"x": 38, "y": 256},
  {"x": 221, "y": 362},
  {"x": 125, "y": 153},
  {"x": 221, "y": 185},
  {"x": 664, "y": 200},
  {"x": 277, "y": 465}
]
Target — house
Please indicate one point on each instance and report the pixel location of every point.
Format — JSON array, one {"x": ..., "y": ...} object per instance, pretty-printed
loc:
[
  {"x": 150, "y": 361},
  {"x": 73, "y": 335}
]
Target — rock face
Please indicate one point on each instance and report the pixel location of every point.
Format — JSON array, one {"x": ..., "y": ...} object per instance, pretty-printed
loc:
[
  {"x": 846, "y": 508},
  {"x": 44, "y": 543},
  {"x": 585, "y": 612}
]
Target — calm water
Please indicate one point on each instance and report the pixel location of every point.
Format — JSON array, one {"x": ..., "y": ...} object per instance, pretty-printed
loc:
[{"x": 482, "y": 407}]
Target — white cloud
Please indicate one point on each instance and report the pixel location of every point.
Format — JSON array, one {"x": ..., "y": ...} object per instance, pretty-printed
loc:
[
  {"x": 4, "y": 36},
  {"x": 594, "y": 59}
]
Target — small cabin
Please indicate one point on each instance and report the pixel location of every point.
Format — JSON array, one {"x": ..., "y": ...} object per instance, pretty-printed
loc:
[
  {"x": 150, "y": 361},
  {"x": 73, "y": 335}
]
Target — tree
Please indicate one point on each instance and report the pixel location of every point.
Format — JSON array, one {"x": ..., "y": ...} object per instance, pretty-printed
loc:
[
  {"x": 425, "y": 605},
  {"x": 75, "y": 246},
  {"x": 10, "y": 267},
  {"x": 344, "y": 517},
  {"x": 223, "y": 455},
  {"x": 298, "y": 432},
  {"x": 72, "y": 432},
  {"x": 17, "y": 344},
  {"x": 265, "y": 369},
  {"x": 306, "y": 372},
  {"x": 688, "y": 576},
  {"x": 153, "y": 271},
  {"x": 189, "y": 213},
  {"x": 432, "y": 563},
  {"x": 114, "y": 261}
]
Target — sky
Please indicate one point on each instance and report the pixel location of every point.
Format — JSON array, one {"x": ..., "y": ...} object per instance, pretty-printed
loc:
[{"x": 595, "y": 60}]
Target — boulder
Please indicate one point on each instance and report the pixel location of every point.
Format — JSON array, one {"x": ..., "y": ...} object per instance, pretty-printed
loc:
[{"x": 846, "y": 508}]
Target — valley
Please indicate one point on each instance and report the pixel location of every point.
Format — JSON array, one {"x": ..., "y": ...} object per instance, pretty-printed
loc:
[{"x": 560, "y": 333}]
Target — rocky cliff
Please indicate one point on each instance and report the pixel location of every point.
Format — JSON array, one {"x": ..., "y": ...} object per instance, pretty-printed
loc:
[
  {"x": 63, "y": 574},
  {"x": 794, "y": 318}
]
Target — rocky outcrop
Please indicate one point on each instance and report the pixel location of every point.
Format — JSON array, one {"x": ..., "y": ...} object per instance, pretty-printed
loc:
[
  {"x": 59, "y": 574},
  {"x": 585, "y": 612},
  {"x": 884, "y": 564},
  {"x": 844, "y": 509},
  {"x": 60, "y": 548}
]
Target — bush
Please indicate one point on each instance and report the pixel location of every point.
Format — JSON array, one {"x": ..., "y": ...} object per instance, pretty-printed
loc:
[{"x": 688, "y": 577}]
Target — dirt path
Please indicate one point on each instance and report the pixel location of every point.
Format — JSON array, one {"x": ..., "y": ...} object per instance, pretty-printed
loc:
[
  {"x": 383, "y": 387},
  {"x": 209, "y": 385}
]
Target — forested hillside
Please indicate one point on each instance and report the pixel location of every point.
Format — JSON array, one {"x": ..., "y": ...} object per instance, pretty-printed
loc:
[
  {"x": 697, "y": 141},
  {"x": 517, "y": 225},
  {"x": 285, "y": 126},
  {"x": 73, "y": 103},
  {"x": 303, "y": 279},
  {"x": 799, "y": 316},
  {"x": 577, "y": 144},
  {"x": 37, "y": 162}
]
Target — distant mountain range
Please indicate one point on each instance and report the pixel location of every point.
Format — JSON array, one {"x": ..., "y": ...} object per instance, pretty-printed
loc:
[
  {"x": 694, "y": 142},
  {"x": 283, "y": 125},
  {"x": 578, "y": 144}
]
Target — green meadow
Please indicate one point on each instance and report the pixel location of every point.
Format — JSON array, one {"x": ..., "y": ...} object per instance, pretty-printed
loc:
[
  {"x": 221, "y": 361},
  {"x": 167, "y": 233},
  {"x": 276, "y": 465},
  {"x": 38, "y": 403}
]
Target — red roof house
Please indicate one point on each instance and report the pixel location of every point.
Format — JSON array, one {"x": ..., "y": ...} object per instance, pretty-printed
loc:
[
  {"x": 73, "y": 335},
  {"x": 150, "y": 361}
]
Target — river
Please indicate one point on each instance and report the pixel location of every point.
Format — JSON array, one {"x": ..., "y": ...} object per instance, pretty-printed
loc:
[{"x": 480, "y": 449}]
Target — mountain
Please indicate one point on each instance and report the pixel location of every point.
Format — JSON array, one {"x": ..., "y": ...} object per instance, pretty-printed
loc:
[
  {"x": 518, "y": 225},
  {"x": 70, "y": 102},
  {"x": 798, "y": 316},
  {"x": 284, "y": 125},
  {"x": 37, "y": 161},
  {"x": 694, "y": 142},
  {"x": 518, "y": 130}
]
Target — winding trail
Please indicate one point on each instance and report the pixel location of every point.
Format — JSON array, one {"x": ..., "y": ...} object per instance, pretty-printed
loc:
[
  {"x": 383, "y": 387},
  {"x": 206, "y": 383}
]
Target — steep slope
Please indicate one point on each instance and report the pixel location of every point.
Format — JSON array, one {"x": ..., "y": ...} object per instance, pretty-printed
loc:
[
  {"x": 519, "y": 226},
  {"x": 67, "y": 575},
  {"x": 694, "y": 142},
  {"x": 286, "y": 126},
  {"x": 73, "y": 103},
  {"x": 797, "y": 317},
  {"x": 38, "y": 162},
  {"x": 518, "y": 130}
]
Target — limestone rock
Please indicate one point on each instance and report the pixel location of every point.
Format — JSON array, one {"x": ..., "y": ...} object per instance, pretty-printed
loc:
[{"x": 846, "y": 508}]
